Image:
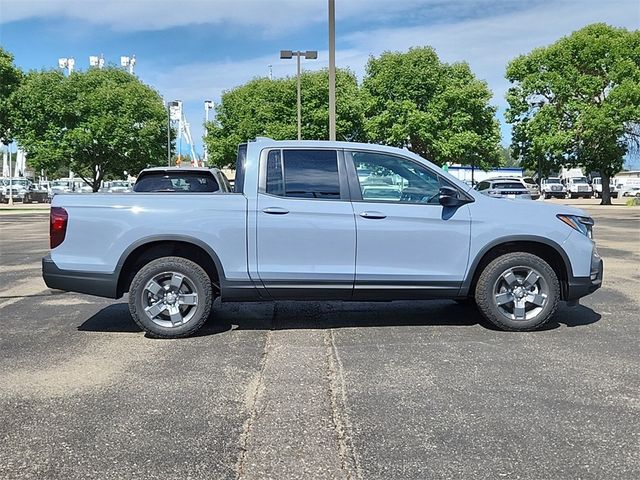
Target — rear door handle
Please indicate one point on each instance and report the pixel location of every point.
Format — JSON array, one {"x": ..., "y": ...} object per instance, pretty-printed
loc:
[
  {"x": 275, "y": 210},
  {"x": 373, "y": 215}
]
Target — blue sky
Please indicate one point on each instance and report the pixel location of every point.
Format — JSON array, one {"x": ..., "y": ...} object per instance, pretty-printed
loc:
[{"x": 194, "y": 49}]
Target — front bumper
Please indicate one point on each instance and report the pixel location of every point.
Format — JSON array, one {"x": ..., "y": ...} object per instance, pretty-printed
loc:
[
  {"x": 578, "y": 287},
  {"x": 92, "y": 283}
]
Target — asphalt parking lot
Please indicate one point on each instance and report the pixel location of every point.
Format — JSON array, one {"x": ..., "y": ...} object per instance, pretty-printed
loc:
[{"x": 406, "y": 390}]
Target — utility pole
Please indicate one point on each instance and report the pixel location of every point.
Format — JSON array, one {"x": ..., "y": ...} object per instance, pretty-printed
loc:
[{"x": 332, "y": 70}]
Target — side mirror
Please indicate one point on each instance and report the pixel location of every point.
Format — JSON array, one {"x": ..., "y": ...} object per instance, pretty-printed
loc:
[{"x": 449, "y": 197}]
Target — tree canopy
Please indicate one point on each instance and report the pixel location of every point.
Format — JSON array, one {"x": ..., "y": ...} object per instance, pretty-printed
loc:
[
  {"x": 438, "y": 110},
  {"x": 577, "y": 102},
  {"x": 98, "y": 123},
  {"x": 264, "y": 107},
  {"x": 10, "y": 78}
]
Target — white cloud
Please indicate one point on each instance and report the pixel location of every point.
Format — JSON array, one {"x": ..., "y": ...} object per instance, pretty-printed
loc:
[{"x": 267, "y": 15}]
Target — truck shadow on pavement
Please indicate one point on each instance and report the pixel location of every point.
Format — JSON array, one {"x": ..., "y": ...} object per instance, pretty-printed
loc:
[{"x": 321, "y": 315}]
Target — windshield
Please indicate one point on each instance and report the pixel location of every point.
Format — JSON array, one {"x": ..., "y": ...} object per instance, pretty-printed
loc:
[
  {"x": 119, "y": 184},
  {"x": 60, "y": 183},
  {"x": 552, "y": 180},
  {"x": 579, "y": 180}
]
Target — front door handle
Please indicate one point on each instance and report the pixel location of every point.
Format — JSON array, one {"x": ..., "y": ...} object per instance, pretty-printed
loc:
[
  {"x": 373, "y": 215},
  {"x": 275, "y": 210}
]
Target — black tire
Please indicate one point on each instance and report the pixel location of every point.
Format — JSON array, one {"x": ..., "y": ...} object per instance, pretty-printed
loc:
[
  {"x": 493, "y": 276},
  {"x": 194, "y": 280},
  {"x": 547, "y": 196}
]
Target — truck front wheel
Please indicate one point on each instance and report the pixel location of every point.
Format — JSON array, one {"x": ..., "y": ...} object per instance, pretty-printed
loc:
[
  {"x": 518, "y": 291},
  {"x": 170, "y": 297}
]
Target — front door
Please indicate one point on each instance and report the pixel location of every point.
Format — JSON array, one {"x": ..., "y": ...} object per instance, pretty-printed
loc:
[
  {"x": 408, "y": 245},
  {"x": 306, "y": 233}
]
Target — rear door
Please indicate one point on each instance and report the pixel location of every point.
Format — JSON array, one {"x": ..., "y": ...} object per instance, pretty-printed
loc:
[
  {"x": 306, "y": 233},
  {"x": 408, "y": 245}
]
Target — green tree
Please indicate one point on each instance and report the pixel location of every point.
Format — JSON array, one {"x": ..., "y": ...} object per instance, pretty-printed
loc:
[
  {"x": 264, "y": 107},
  {"x": 577, "y": 102},
  {"x": 438, "y": 110},
  {"x": 507, "y": 158},
  {"x": 97, "y": 123},
  {"x": 10, "y": 78}
]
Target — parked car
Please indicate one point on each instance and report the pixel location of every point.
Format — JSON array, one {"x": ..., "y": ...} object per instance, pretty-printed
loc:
[
  {"x": 553, "y": 187},
  {"x": 298, "y": 227},
  {"x": 631, "y": 192},
  {"x": 506, "y": 188},
  {"x": 118, "y": 186},
  {"x": 181, "y": 180},
  {"x": 596, "y": 184},
  {"x": 14, "y": 187},
  {"x": 533, "y": 187},
  {"x": 578, "y": 187},
  {"x": 36, "y": 194},
  {"x": 61, "y": 185}
]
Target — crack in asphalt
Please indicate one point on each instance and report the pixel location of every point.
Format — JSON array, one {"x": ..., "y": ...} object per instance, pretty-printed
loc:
[
  {"x": 338, "y": 398},
  {"x": 255, "y": 393}
]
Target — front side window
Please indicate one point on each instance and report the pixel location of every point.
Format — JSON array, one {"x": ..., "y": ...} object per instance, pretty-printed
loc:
[
  {"x": 303, "y": 174},
  {"x": 387, "y": 178}
]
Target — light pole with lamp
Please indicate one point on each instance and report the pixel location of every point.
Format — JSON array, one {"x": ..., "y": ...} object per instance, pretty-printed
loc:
[
  {"x": 128, "y": 62},
  {"x": 309, "y": 55},
  {"x": 67, "y": 63},
  {"x": 95, "y": 61}
]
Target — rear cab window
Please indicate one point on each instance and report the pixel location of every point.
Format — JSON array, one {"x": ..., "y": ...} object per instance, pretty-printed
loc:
[
  {"x": 303, "y": 173},
  {"x": 177, "y": 182}
]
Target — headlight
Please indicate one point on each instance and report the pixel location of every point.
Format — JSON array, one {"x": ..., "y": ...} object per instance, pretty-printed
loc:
[{"x": 582, "y": 224}]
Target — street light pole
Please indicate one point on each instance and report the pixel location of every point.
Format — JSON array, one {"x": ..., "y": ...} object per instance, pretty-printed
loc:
[
  {"x": 310, "y": 55},
  {"x": 332, "y": 70}
]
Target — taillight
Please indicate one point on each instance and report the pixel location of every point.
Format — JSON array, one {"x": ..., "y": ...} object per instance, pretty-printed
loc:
[{"x": 57, "y": 226}]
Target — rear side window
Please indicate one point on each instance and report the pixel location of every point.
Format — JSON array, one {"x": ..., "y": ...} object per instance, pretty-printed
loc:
[
  {"x": 303, "y": 174},
  {"x": 177, "y": 182}
]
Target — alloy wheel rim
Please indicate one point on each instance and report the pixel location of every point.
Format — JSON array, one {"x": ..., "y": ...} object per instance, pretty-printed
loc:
[
  {"x": 520, "y": 293},
  {"x": 170, "y": 299}
]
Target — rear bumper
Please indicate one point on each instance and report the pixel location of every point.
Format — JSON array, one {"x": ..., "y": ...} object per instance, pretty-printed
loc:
[
  {"x": 578, "y": 287},
  {"x": 92, "y": 283}
]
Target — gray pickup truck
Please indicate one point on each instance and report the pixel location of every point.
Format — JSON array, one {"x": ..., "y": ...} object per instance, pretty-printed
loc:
[{"x": 324, "y": 221}]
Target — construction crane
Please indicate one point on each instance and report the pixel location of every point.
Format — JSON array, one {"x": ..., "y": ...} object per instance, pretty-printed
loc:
[{"x": 185, "y": 132}]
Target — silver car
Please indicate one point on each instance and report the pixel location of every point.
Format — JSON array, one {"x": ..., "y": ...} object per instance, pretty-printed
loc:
[{"x": 506, "y": 188}]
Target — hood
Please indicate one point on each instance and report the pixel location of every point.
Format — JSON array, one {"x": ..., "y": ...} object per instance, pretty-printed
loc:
[{"x": 529, "y": 208}]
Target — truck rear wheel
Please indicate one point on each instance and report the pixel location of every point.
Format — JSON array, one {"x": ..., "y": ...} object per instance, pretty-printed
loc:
[
  {"x": 518, "y": 291},
  {"x": 170, "y": 297}
]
